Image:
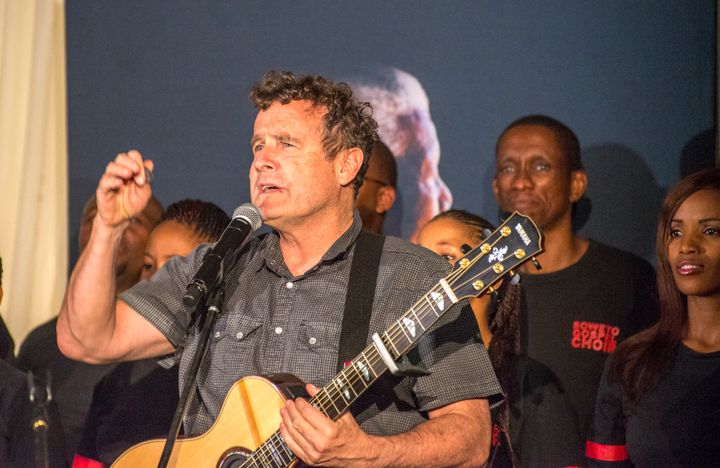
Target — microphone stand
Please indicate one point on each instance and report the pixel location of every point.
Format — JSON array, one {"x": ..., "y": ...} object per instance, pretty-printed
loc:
[
  {"x": 39, "y": 399},
  {"x": 213, "y": 307}
]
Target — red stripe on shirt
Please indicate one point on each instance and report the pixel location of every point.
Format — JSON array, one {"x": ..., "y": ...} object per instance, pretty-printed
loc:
[
  {"x": 610, "y": 453},
  {"x": 81, "y": 462}
]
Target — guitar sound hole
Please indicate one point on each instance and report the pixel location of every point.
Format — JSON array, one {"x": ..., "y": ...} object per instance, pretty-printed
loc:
[{"x": 233, "y": 458}]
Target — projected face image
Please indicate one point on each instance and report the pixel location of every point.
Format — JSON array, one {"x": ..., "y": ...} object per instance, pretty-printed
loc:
[{"x": 402, "y": 110}]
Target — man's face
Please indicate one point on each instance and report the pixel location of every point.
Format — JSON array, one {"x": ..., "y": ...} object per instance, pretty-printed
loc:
[
  {"x": 375, "y": 197},
  {"x": 424, "y": 193},
  {"x": 532, "y": 177},
  {"x": 366, "y": 201},
  {"x": 129, "y": 261},
  {"x": 291, "y": 180}
]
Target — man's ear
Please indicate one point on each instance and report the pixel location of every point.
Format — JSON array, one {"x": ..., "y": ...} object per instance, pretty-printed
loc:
[
  {"x": 348, "y": 165},
  {"x": 385, "y": 199},
  {"x": 578, "y": 184}
]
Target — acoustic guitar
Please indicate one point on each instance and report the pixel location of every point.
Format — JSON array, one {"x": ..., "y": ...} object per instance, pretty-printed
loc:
[{"x": 246, "y": 432}]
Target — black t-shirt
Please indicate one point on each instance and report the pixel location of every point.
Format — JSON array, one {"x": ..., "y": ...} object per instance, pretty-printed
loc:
[
  {"x": 133, "y": 403},
  {"x": 573, "y": 318},
  {"x": 675, "y": 424},
  {"x": 72, "y": 381}
]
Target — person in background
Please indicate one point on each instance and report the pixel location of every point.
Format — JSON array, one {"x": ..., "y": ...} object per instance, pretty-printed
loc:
[
  {"x": 658, "y": 399},
  {"x": 533, "y": 394},
  {"x": 379, "y": 189},
  {"x": 136, "y": 401},
  {"x": 23, "y": 420},
  {"x": 72, "y": 381},
  {"x": 588, "y": 297}
]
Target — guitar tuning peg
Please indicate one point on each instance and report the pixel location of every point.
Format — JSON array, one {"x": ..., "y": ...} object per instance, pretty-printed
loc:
[
  {"x": 514, "y": 278},
  {"x": 465, "y": 248},
  {"x": 536, "y": 263},
  {"x": 486, "y": 233}
]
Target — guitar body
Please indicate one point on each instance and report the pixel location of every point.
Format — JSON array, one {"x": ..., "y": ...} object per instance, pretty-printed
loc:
[{"x": 249, "y": 415}]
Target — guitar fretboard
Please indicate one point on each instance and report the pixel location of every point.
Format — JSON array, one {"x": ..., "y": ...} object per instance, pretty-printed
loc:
[{"x": 346, "y": 387}]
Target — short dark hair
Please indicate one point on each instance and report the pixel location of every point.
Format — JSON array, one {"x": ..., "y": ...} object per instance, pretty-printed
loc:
[
  {"x": 476, "y": 224},
  {"x": 384, "y": 160},
  {"x": 569, "y": 142},
  {"x": 206, "y": 219},
  {"x": 348, "y": 123}
]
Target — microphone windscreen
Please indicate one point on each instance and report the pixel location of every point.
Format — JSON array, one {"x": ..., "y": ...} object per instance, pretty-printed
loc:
[{"x": 249, "y": 213}]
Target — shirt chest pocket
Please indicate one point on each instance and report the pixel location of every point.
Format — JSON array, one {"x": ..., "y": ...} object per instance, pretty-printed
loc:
[
  {"x": 233, "y": 349},
  {"x": 316, "y": 347},
  {"x": 319, "y": 336}
]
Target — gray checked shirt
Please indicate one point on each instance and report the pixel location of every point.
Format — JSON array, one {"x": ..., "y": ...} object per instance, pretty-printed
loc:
[{"x": 275, "y": 322}]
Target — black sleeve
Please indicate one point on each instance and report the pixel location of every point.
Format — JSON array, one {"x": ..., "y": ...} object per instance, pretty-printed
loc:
[
  {"x": 606, "y": 446},
  {"x": 87, "y": 448}
]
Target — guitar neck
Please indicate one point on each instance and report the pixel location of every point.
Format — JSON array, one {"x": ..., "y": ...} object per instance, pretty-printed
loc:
[{"x": 351, "y": 382}]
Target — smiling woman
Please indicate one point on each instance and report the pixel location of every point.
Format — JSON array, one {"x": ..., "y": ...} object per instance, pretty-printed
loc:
[{"x": 657, "y": 404}]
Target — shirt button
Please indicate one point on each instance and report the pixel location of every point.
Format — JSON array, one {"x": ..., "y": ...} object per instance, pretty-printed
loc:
[
  {"x": 289, "y": 285},
  {"x": 239, "y": 335},
  {"x": 278, "y": 330},
  {"x": 313, "y": 341},
  {"x": 217, "y": 334}
]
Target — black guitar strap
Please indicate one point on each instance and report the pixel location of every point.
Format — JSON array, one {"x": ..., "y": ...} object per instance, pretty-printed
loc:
[{"x": 360, "y": 295}]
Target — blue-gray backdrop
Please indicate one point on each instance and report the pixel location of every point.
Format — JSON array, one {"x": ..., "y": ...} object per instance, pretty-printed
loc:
[{"x": 635, "y": 80}]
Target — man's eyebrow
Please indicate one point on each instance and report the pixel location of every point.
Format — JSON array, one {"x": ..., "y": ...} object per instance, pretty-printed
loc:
[
  {"x": 284, "y": 136},
  {"x": 275, "y": 136}
]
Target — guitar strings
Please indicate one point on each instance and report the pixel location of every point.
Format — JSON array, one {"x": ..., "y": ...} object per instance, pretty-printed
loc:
[
  {"x": 327, "y": 397},
  {"x": 396, "y": 330},
  {"x": 323, "y": 399}
]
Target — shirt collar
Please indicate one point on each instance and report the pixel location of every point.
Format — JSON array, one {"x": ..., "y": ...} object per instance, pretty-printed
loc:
[{"x": 273, "y": 260}]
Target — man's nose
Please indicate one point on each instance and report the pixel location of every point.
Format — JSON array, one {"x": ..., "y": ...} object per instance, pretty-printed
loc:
[
  {"x": 264, "y": 160},
  {"x": 522, "y": 180}
]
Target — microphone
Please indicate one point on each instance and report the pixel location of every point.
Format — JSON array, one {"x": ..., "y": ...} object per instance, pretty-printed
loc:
[{"x": 246, "y": 220}]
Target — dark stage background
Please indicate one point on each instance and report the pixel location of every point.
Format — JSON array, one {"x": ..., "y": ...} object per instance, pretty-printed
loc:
[{"x": 635, "y": 80}]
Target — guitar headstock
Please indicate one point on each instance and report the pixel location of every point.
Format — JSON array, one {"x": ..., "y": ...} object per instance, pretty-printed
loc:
[{"x": 515, "y": 242}]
